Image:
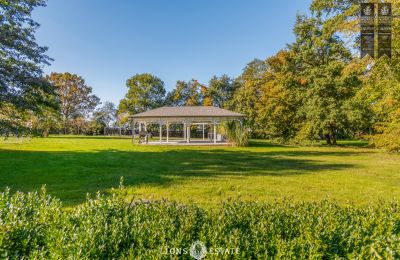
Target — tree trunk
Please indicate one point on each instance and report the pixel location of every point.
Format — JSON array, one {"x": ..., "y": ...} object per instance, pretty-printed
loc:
[
  {"x": 328, "y": 139},
  {"x": 46, "y": 133},
  {"x": 333, "y": 137},
  {"x": 65, "y": 125}
]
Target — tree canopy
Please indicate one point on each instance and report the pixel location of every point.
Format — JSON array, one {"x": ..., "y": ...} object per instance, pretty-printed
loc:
[
  {"x": 74, "y": 96},
  {"x": 145, "y": 91},
  {"x": 22, "y": 88}
]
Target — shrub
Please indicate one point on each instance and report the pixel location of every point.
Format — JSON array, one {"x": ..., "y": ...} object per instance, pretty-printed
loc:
[
  {"x": 388, "y": 136},
  {"x": 34, "y": 225}
]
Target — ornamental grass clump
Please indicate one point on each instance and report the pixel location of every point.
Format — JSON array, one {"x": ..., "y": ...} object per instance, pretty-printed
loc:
[
  {"x": 35, "y": 225},
  {"x": 236, "y": 134}
]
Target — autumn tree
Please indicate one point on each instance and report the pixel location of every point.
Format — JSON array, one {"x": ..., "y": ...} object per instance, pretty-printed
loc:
[
  {"x": 248, "y": 93},
  {"x": 380, "y": 97},
  {"x": 278, "y": 105},
  {"x": 75, "y": 98}
]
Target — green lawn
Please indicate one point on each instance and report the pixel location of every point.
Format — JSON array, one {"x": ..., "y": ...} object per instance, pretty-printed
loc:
[{"x": 74, "y": 166}]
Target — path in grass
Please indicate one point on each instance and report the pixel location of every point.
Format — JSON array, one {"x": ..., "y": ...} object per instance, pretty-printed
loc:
[{"x": 74, "y": 166}]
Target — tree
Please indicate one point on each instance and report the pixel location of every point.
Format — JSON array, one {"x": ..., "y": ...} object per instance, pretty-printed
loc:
[
  {"x": 145, "y": 91},
  {"x": 187, "y": 94},
  {"x": 249, "y": 91},
  {"x": 342, "y": 16},
  {"x": 380, "y": 96},
  {"x": 207, "y": 98},
  {"x": 74, "y": 96},
  {"x": 21, "y": 59},
  {"x": 277, "y": 107},
  {"x": 221, "y": 90},
  {"x": 321, "y": 59},
  {"x": 46, "y": 121},
  {"x": 107, "y": 114},
  {"x": 377, "y": 99}
]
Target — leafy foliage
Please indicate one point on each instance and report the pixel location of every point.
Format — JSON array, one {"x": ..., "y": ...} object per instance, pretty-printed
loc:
[
  {"x": 21, "y": 59},
  {"x": 74, "y": 96},
  {"x": 189, "y": 93},
  {"x": 34, "y": 225},
  {"x": 145, "y": 92},
  {"x": 380, "y": 95},
  {"x": 221, "y": 90},
  {"x": 107, "y": 114}
]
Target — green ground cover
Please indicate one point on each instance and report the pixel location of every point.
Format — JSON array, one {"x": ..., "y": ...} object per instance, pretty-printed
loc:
[{"x": 71, "y": 167}]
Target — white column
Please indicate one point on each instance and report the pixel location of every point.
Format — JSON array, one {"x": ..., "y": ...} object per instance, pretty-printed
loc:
[
  {"x": 145, "y": 127},
  {"x": 203, "y": 132},
  {"x": 133, "y": 131},
  {"x": 215, "y": 133},
  {"x": 160, "y": 132},
  {"x": 167, "y": 132},
  {"x": 184, "y": 131},
  {"x": 140, "y": 127},
  {"x": 188, "y": 133}
]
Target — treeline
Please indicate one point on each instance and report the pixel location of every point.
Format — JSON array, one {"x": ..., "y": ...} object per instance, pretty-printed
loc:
[{"x": 315, "y": 88}]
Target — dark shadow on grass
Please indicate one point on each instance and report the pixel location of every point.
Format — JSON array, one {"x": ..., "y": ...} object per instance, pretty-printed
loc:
[
  {"x": 70, "y": 175},
  {"x": 90, "y": 137},
  {"x": 263, "y": 143},
  {"x": 354, "y": 144}
]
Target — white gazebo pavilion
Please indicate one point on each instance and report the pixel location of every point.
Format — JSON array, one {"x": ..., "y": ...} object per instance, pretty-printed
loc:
[{"x": 187, "y": 116}]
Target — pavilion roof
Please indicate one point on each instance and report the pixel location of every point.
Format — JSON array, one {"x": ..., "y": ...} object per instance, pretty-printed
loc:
[{"x": 188, "y": 111}]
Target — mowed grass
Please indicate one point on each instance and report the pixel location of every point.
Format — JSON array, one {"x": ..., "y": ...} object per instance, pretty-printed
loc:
[{"x": 71, "y": 167}]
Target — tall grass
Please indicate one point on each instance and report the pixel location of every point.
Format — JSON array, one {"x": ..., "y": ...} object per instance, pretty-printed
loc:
[
  {"x": 236, "y": 134},
  {"x": 34, "y": 225}
]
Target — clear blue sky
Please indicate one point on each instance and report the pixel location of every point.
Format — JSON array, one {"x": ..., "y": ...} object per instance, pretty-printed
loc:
[{"x": 106, "y": 42}]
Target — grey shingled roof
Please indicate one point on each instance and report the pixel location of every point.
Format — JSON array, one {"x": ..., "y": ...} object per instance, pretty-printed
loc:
[{"x": 188, "y": 111}]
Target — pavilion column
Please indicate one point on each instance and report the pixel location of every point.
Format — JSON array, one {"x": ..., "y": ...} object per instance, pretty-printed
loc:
[
  {"x": 184, "y": 131},
  {"x": 215, "y": 133},
  {"x": 188, "y": 133},
  {"x": 133, "y": 131},
  {"x": 145, "y": 127},
  {"x": 140, "y": 127},
  {"x": 167, "y": 132},
  {"x": 160, "y": 132},
  {"x": 203, "y": 132}
]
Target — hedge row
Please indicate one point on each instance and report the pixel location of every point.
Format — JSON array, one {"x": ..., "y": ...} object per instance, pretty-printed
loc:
[{"x": 35, "y": 225}]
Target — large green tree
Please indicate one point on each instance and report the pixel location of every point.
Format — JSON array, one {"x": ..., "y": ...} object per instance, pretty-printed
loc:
[
  {"x": 221, "y": 90},
  {"x": 321, "y": 60},
  {"x": 190, "y": 93},
  {"x": 377, "y": 98},
  {"x": 145, "y": 91},
  {"x": 22, "y": 88}
]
